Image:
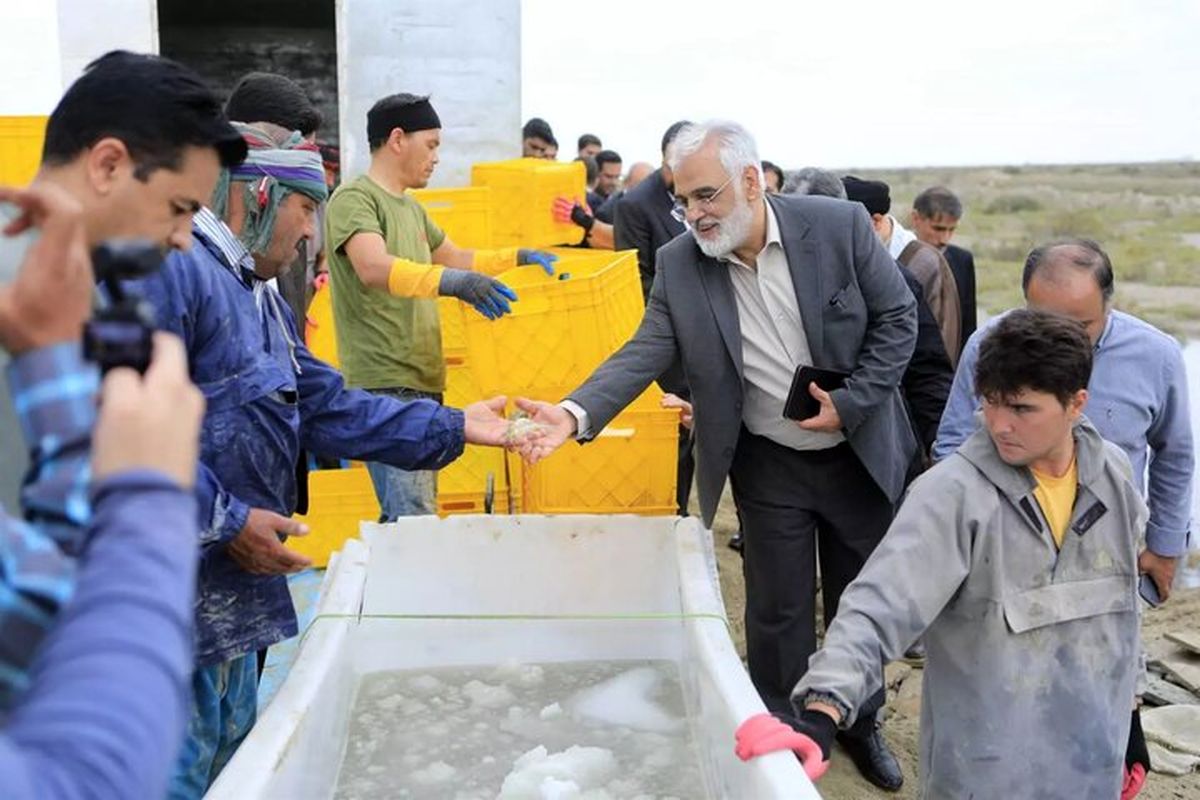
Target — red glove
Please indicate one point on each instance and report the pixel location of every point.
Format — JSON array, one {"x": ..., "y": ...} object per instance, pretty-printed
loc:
[
  {"x": 1137, "y": 758},
  {"x": 1135, "y": 779},
  {"x": 562, "y": 209},
  {"x": 764, "y": 733},
  {"x": 320, "y": 280}
]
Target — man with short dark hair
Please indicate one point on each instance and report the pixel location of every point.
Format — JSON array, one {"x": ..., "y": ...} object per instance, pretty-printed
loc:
[
  {"x": 537, "y": 140},
  {"x": 388, "y": 263},
  {"x": 138, "y": 141},
  {"x": 772, "y": 177},
  {"x": 935, "y": 216},
  {"x": 135, "y": 145},
  {"x": 1014, "y": 559},
  {"x": 924, "y": 261},
  {"x": 589, "y": 145},
  {"x": 1138, "y": 391},
  {"x": 608, "y": 177}
]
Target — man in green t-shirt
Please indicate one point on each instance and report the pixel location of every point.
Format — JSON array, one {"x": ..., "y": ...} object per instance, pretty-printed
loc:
[{"x": 388, "y": 263}]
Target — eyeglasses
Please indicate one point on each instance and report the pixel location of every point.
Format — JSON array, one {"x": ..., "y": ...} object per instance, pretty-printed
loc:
[{"x": 702, "y": 200}]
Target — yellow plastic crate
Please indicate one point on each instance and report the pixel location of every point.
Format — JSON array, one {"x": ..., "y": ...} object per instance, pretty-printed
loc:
[
  {"x": 338, "y": 500},
  {"x": 319, "y": 335},
  {"x": 630, "y": 468},
  {"x": 464, "y": 213},
  {"x": 454, "y": 334},
  {"x": 559, "y": 331},
  {"x": 462, "y": 484},
  {"x": 522, "y": 198},
  {"x": 451, "y": 503},
  {"x": 21, "y": 140}
]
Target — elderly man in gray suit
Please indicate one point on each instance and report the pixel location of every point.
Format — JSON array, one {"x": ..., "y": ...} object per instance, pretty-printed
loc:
[{"x": 757, "y": 287}]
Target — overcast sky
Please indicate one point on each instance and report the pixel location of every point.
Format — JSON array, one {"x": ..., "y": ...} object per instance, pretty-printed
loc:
[{"x": 871, "y": 83}]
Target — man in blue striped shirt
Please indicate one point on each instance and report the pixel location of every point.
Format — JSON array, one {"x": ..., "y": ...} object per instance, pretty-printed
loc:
[
  {"x": 134, "y": 174},
  {"x": 95, "y": 651},
  {"x": 1137, "y": 396}
]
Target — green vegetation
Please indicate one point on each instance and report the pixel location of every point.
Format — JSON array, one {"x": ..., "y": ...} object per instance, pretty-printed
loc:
[{"x": 1147, "y": 216}]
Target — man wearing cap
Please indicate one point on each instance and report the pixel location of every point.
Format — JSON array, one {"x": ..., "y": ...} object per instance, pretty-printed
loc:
[
  {"x": 388, "y": 263},
  {"x": 924, "y": 261},
  {"x": 267, "y": 396}
]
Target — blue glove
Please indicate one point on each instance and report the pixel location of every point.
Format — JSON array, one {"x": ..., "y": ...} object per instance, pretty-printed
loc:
[
  {"x": 546, "y": 260},
  {"x": 486, "y": 295}
]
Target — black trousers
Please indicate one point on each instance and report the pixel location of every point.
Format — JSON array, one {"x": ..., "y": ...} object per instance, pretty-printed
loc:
[{"x": 796, "y": 506}]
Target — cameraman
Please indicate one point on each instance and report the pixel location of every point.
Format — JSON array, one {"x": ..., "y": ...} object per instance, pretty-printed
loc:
[
  {"x": 95, "y": 652},
  {"x": 137, "y": 142}
]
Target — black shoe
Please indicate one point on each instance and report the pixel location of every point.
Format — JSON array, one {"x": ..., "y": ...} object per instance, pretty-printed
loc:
[
  {"x": 873, "y": 758},
  {"x": 736, "y": 541}
]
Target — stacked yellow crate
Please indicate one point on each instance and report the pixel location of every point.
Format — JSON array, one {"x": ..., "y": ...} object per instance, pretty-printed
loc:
[
  {"x": 523, "y": 191},
  {"x": 559, "y": 331},
  {"x": 21, "y": 141}
]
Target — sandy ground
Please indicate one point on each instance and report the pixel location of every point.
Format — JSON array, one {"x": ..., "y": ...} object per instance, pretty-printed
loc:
[{"x": 843, "y": 782}]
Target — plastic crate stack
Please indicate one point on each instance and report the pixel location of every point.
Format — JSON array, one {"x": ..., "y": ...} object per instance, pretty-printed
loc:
[{"x": 559, "y": 331}]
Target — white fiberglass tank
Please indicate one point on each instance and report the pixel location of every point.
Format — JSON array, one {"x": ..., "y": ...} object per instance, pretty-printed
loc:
[{"x": 514, "y": 657}]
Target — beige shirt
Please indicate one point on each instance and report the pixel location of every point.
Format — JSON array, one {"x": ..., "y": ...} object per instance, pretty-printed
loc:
[{"x": 774, "y": 343}]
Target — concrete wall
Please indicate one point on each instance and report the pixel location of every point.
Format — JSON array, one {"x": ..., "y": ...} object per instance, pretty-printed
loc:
[
  {"x": 224, "y": 54},
  {"x": 466, "y": 54}
]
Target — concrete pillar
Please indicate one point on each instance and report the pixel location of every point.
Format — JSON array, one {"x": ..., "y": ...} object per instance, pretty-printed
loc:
[{"x": 466, "y": 54}]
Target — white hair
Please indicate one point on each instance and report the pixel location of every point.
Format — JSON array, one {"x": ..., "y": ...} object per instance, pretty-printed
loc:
[{"x": 735, "y": 146}]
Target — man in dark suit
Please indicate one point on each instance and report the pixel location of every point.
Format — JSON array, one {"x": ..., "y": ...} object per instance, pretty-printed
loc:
[
  {"x": 643, "y": 222},
  {"x": 759, "y": 288},
  {"x": 935, "y": 215}
]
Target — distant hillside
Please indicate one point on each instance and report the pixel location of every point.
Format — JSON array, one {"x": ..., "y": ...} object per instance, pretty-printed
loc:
[{"x": 1147, "y": 216}]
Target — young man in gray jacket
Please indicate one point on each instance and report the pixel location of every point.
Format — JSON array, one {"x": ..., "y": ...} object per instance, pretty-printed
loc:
[{"x": 1030, "y": 618}]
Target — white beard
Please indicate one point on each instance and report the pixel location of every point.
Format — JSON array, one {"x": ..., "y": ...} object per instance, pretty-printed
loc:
[{"x": 731, "y": 232}]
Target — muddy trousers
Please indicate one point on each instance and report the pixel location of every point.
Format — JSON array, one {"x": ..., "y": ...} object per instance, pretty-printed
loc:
[
  {"x": 797, "y": 506},
  {"x": 224, "y": 708}
]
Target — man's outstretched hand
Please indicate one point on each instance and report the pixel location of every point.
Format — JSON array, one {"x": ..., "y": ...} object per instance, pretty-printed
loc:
[{"x": 557, "y": 425}]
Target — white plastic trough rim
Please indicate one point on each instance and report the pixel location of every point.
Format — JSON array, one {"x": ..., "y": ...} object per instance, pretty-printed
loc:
[{"x": 342, "y": 594}]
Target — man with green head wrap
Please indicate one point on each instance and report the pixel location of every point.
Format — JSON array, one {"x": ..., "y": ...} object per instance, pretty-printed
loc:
[{"x": 267, "y": 397}]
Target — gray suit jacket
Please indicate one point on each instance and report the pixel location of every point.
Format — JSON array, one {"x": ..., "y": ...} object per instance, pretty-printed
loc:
[{"x": 858, "y": 314}]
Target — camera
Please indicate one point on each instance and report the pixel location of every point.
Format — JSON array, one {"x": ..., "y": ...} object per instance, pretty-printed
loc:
[{"x": 120, "y": 332}]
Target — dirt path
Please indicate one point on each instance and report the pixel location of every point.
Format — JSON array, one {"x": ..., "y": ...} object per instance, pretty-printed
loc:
[{"x": 842, "y": 782}]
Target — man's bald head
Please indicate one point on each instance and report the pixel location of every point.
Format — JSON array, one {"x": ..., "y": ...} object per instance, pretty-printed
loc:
[
  {"x": 638, "y": 173},
  {"x": 1073, "y": 277}
]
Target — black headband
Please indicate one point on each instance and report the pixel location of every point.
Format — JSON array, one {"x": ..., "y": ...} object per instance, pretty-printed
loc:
[{"x": 418, "y": 116}]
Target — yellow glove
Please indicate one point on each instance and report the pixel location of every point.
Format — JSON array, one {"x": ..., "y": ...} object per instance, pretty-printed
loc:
[
  {"x": 410, "y": 279},
  {"x": 493, "y": 262}
]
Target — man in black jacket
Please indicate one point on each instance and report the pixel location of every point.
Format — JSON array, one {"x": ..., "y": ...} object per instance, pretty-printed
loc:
[
  {"x": 935, "y": 215},
  {"x": 643, "y": 221}
]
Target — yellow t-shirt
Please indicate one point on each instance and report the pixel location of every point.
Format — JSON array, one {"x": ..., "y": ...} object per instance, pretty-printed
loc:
[{"x": 1056, "y": 496}]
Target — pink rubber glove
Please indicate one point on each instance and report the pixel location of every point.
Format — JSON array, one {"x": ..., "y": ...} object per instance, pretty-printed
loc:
[
  {"x": 320, "y": 280},
  {"x": 763, "y": 733},
  {"x": 1135, "y": 779}
]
